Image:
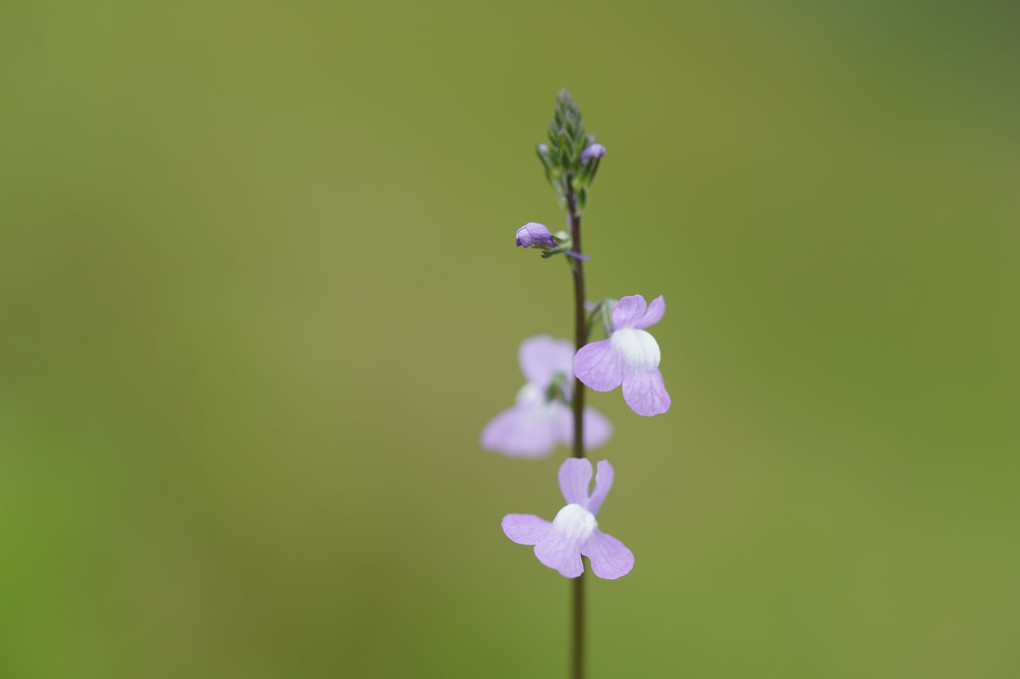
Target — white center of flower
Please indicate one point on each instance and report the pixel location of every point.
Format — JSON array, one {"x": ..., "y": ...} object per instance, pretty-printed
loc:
[
  {"x": 575, "y": 523},
  {"x": 531, "y": 395},
  {"x": 637, "y": 348}
]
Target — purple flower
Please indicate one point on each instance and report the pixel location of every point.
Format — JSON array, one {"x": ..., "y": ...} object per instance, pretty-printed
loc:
[
  {"x": 630, "y": 356},
  {"x": 535, "y": 424},
  {"x": 574, "y": 532},
  {"x": 534, "y": 233},
  {"x": 593, "y": 151}
]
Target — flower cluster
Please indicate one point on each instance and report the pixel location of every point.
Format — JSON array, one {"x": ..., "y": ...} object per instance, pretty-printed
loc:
[
  {"x": 629, "y": 357},
  {"x": 547, "y": 411}
]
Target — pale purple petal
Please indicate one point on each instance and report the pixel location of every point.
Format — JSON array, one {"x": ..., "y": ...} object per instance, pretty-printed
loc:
[
  {"x": 542, "y": 356},
  {"x": 603, "y": 482},
  {"x": 534, "y": 233},
  {"x": 598, "y": 365},
  {"x": 564, "y": 422},
  {"x": 575, "y": 477},
  {"x": 644, "y": 392},
  {"x": 655, "y": 312},
  {"x": 562, "y": 552},
  {"x": 525, "y": 529},
  {"x": 610, "y": 559},
  {"x": 597, "y": 429},
  {"x": 593, "y": 151},
  {"x": 628, "y": 311},
  {"x": 522, "y": 431}
]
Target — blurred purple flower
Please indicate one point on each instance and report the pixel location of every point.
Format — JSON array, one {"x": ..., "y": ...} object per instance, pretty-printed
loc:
[
  {"x": 574, "y": 532},
  {"x": 535, "y": 425},
  {"x": 534, "y": 233},
  {"x": 630, "y": 357},
  {"x": 593, "y": 151}
]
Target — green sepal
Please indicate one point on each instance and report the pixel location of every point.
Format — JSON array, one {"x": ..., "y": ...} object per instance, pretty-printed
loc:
[
  {"x": 556, "y": 390},
  {"x": 558, "y": 250},
  {"x": 603, "y": 314},
  {"x": 542, "y": 157}
]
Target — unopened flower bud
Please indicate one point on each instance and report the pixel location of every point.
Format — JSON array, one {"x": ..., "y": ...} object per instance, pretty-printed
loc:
[
  {"x": 534, "y": 233},
  {"x": 593, "y": 151}
]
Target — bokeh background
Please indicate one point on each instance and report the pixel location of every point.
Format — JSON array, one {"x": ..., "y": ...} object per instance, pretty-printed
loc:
[{"x": 259, "y": 295}]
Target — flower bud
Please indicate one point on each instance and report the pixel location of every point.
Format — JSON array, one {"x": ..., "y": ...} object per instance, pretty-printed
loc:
[
  {"x": 593, "y": 151},
  {"x": 534, "y": 233}
]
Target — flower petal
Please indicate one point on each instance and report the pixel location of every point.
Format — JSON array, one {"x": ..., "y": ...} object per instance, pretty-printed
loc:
[
  {"x": 637, "y": 349},
  {"x": 542, "y": 356},
  {"x": 597, "y": 429},
  {"x": 594, "y": 151},
  {"x": 564, "y": 422},
  {"x": 575, "y": 477},
  {"x": 628, "y": 311},
  {"x": 598, "y": 365},
  {"x": 525, "y": 529},
  {"x": 561, "y": 551},
  {"x": 656, "y": 310},
  {"x": 645, "y": 393},
  {"x": 603, "y": 482},
  {"x": 534, "y": 233},
  {"x": 522, "y": 431},
  {"x": 610, "y": 559}
]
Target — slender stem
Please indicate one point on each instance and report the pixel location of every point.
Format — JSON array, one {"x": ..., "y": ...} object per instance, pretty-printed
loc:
[
  {"x": 580, "y": 338},
  {"x": 578, "y": 655}
]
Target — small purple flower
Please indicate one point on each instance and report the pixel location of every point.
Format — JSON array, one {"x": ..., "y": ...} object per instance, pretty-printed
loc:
[
  {"x": 574, "y": 532},
  {"x": 534, "y": 233},
  {"x": 630, "y": 357},
  {"x": 593, "y": 151},
  {"x": 534, "y": 426}
]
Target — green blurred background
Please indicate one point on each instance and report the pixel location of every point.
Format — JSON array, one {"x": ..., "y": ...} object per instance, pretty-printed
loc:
[{"x": 259, "y": 295}]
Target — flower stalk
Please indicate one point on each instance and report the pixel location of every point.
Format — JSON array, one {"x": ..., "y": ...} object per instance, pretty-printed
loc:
[
  {"x": 580, "y": 319},
  {"x": 571, "y": 138},
  {"x": 550, "y": 408},
  {"x": 580, "y": 338}
]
